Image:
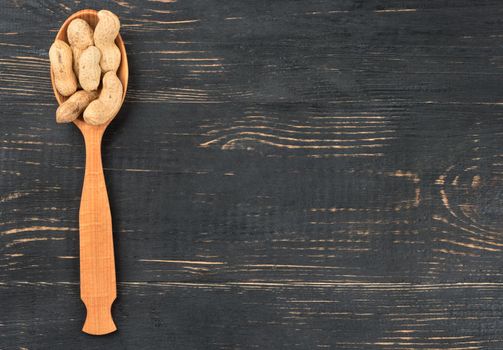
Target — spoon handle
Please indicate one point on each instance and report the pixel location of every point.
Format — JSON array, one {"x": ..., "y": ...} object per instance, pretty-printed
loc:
[{"x": 97, "y": 266}]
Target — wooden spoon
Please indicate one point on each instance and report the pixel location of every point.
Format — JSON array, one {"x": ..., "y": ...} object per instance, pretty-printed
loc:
[{"x": 97, "y": 266}]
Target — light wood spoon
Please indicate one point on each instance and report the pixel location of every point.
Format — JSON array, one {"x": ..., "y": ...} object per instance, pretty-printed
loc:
[{"x": 97, "y": 266}]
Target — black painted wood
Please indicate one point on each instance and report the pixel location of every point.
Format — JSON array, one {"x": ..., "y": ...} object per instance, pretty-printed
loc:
[{"x": 284, "y": 175}]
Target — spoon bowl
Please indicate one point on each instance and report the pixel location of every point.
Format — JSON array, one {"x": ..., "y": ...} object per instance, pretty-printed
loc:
[
  {"x": 91, "y": 17},
  {"x": 97, "y": 264}
]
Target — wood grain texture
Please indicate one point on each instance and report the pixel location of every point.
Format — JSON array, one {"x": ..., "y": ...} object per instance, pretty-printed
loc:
[{"x": 283, "y": 175}]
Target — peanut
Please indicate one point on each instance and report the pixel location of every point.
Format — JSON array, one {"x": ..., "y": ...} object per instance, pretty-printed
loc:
[
  {"x": 72, "y": 108},
  {"x": 89, "y": 68},
  {"x": 60, "y": 56},
  {"x": 108, "y": 103},
  {"x": 105, "y": 33},
  {"x": 80, "y": 37}
]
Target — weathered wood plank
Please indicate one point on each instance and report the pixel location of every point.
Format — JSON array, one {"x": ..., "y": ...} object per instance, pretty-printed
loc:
[{"x": 284, "y": 174}]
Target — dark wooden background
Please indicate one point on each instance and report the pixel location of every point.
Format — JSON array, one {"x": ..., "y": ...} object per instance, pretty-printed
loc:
[{"x": 284, "y": 175}]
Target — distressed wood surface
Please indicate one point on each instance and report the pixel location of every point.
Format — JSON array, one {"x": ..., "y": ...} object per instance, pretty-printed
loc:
[{"x": 283, "y": 175}]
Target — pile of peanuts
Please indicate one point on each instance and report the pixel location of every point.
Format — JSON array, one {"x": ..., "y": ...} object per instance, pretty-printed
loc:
[{"x": 81, "y": 64}]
